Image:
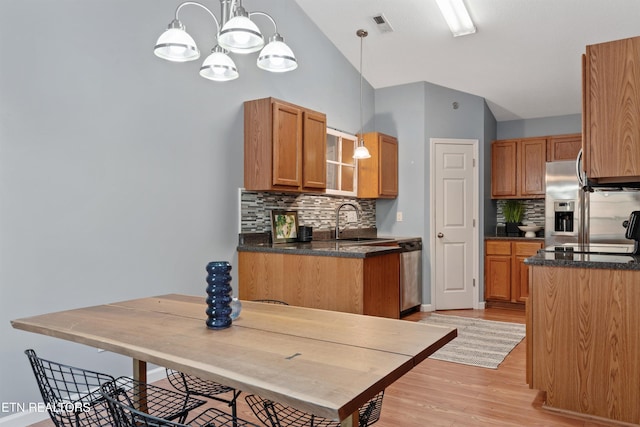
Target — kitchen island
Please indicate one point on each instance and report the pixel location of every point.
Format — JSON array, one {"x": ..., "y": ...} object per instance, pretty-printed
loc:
[
  {"x": 583, "y": 337},
  {"x": 351, "y": 276}
]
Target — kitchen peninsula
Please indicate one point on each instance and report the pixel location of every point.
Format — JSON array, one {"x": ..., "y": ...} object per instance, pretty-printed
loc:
[
  {"x": 353, "y": 276},
  {"x": 582, "y": 333}
]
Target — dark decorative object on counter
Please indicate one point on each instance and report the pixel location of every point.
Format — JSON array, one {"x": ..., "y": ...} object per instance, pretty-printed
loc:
[
  {"x": 513, "y": 211},
  {"x": 219, "y": 298},
  {"x": 305, "y": 233}
]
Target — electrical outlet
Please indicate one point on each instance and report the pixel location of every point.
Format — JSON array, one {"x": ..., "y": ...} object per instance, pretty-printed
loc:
[
  {"x": 352, "y": 216},
  {"x": 398, "y": 216}
]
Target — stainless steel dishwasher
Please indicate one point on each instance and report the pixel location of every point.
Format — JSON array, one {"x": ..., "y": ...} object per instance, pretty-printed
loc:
[{"x": 410, "y": 275}]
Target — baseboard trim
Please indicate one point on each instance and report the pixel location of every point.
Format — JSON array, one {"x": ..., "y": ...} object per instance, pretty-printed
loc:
[{"x": 26, "y": 418}]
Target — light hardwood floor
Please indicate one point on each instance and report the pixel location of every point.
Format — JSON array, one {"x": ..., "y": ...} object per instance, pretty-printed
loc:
[{"x": 437, "y": 393}]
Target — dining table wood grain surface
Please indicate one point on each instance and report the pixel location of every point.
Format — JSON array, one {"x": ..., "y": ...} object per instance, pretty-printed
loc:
[{"x": 323, "y": 362}]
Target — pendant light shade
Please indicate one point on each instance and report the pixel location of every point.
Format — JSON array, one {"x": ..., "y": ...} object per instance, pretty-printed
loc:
[
  {"x": 361, "y": 152},
  {"x": 219, "y": 67},
  {"x": 276, "y": 56},
  {"x": 240, "y": 35},
  {"x": 176, "y": 45}
]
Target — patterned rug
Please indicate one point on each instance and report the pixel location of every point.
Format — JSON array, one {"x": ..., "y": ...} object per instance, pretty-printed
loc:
[{"x": 483, "y": 343}]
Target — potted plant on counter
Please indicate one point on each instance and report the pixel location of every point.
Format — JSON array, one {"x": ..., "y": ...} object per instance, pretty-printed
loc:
[{"x": 513, "y": 211}]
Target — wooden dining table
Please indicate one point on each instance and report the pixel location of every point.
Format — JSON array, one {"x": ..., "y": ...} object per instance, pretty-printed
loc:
[{"x": 323, "y": 362}]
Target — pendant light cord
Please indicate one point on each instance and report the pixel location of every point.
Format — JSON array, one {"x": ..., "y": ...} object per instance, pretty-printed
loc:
[{"x": 362, "y": 34}]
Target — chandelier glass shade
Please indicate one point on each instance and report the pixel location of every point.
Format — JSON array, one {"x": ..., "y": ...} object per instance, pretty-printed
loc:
[{"x": 219, "y": 67}]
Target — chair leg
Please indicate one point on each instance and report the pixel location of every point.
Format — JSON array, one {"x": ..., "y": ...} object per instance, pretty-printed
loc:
[
  {"x": 272, "y": 414},
  {"x": 234, "y": 408}
]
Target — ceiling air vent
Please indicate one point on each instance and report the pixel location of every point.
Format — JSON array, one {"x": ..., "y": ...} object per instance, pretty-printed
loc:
[{"x": 382, "y": 23}]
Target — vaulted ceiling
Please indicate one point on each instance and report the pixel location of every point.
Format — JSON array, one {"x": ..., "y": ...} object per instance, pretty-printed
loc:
[{"x": 524, "y": 59}]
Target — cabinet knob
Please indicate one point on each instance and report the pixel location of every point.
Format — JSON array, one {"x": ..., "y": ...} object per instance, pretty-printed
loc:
[{"x": 440, "y": 235}]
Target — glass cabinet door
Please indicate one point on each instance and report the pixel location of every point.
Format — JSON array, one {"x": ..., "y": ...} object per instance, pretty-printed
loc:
[{"x": 341, "y": 166}]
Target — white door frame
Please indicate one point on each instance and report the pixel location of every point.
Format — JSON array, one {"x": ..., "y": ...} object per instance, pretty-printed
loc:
[{"x": 476, "y": 216}]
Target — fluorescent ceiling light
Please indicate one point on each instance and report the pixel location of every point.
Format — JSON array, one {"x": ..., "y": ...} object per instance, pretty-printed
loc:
[{"x": 457, "y": 17}]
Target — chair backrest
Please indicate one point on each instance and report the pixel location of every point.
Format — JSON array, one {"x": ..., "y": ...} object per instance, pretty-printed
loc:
[
  {"x": 369, "y": 413},
  {"x": 71, "y": 395},
  {"x": 270, "y": 301},
  {"x": 123, "y": 411}
]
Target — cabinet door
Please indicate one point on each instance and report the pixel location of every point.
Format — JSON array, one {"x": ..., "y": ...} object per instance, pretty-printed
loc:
[
  {"x": 378, "y": 176},
  {"x": 314, "y": 155},
  {"x": 497, "y": 281},
  {"x": 563, "y": 147},
  {"x": 287, "y": 145},
  {"x": 520, "y": 282},
  {"x": 533, "y": 156},
  {"x": 612, "y": 97},
  {"x": 503, "y": 169},
  {"x": 388, "y": 164}
]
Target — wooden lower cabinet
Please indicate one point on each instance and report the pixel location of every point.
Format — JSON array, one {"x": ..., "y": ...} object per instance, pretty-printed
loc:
[
  {"x": 583, "y": 341},
  {"x": 506, "y": 275},
  {"x": 353, "y": 285}
]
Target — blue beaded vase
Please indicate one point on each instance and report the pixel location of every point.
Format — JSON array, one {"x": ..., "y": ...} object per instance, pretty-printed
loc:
[{"x": 218, "y": 295}]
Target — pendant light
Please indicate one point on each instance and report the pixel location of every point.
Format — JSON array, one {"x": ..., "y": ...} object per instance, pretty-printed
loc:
[{"x": 361, "y": 151}]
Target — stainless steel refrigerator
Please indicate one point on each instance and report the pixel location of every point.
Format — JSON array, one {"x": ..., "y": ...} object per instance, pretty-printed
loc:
[{"x": 584, "y": 217}]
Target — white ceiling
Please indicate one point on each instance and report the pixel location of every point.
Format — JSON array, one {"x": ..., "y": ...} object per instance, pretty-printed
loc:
[{"x": 525, "y": 58}]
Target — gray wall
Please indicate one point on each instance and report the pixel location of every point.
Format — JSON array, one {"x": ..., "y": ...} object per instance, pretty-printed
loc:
[
  {"x": 416, "y": 113},
  {"x": 540, "y": 127},
  {"x": 120, "y": 171}
]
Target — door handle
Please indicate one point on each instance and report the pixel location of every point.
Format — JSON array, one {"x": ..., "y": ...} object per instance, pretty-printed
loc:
[{"x": 440, "y": 235}]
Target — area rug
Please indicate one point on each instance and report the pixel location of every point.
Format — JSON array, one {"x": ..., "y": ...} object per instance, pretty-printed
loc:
[{"x": 483, "y": 343}]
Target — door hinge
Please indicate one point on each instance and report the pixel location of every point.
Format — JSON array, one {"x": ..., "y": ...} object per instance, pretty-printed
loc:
[
  {"x": 474, "y": 223},
  {"x": 474, "y": 283},
  {"x": 474, "y": 163}
]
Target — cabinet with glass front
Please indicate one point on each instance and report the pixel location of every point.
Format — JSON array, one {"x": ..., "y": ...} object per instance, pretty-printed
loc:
[{"x": 341, "y": 166}]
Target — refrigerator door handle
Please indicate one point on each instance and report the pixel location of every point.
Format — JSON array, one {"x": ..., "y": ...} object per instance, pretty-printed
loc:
[{"x": 581, "y": 175}]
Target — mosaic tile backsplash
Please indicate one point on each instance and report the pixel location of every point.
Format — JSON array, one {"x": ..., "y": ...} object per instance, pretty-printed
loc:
[
  {"x": 315, "y": 210},
  {"x": 319, "y": 210},
  {"x": 533, "y": 212}
]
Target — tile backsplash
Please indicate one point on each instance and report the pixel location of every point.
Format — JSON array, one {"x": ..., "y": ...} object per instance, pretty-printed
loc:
[
  {"x": 533, "y": 212},
  {"x": 316, "y": 210}
]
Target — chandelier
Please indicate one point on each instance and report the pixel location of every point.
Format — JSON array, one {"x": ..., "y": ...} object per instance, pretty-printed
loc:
[{"x": 236, "y": 33}]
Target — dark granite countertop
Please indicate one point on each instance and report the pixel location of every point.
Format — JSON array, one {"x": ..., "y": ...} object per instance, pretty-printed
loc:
[
  {"x": 582, "y": 260},
  {"x": 334, "y": 248},
  {"x": 533, "y": 239}
]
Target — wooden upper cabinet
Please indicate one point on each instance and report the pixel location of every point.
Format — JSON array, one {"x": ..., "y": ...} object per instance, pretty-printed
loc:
[
  {"x": 518, "y": 168},
  {"x": 378, "y": 176},
  {"x": 532, "y": 171},
  {"x": 287, "y": 145},
  {"x": 284, "y": 147},
  {"x": 503, "y": 169},
  {"x": 612, "y": 111},
  {"x": 314, "y": 151},
  {"x": 563, "y": 147}
]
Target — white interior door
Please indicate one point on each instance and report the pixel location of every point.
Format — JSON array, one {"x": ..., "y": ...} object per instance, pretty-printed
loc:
[{"x": 454, "y": 213}]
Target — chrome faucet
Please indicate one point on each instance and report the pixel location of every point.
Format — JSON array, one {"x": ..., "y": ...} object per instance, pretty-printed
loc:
[{"x": 338, "y": 216}]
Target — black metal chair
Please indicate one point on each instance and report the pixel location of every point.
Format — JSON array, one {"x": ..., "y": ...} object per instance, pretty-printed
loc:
[
  {"x": 74, "y": 399},
  {"x": 71, "y": 395},
  {"x": 274, "y": 414},
  {"x": 126, "y": 402},
  {"x": 192, "y": 385},
  {"x": 270, "y": 301}
]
